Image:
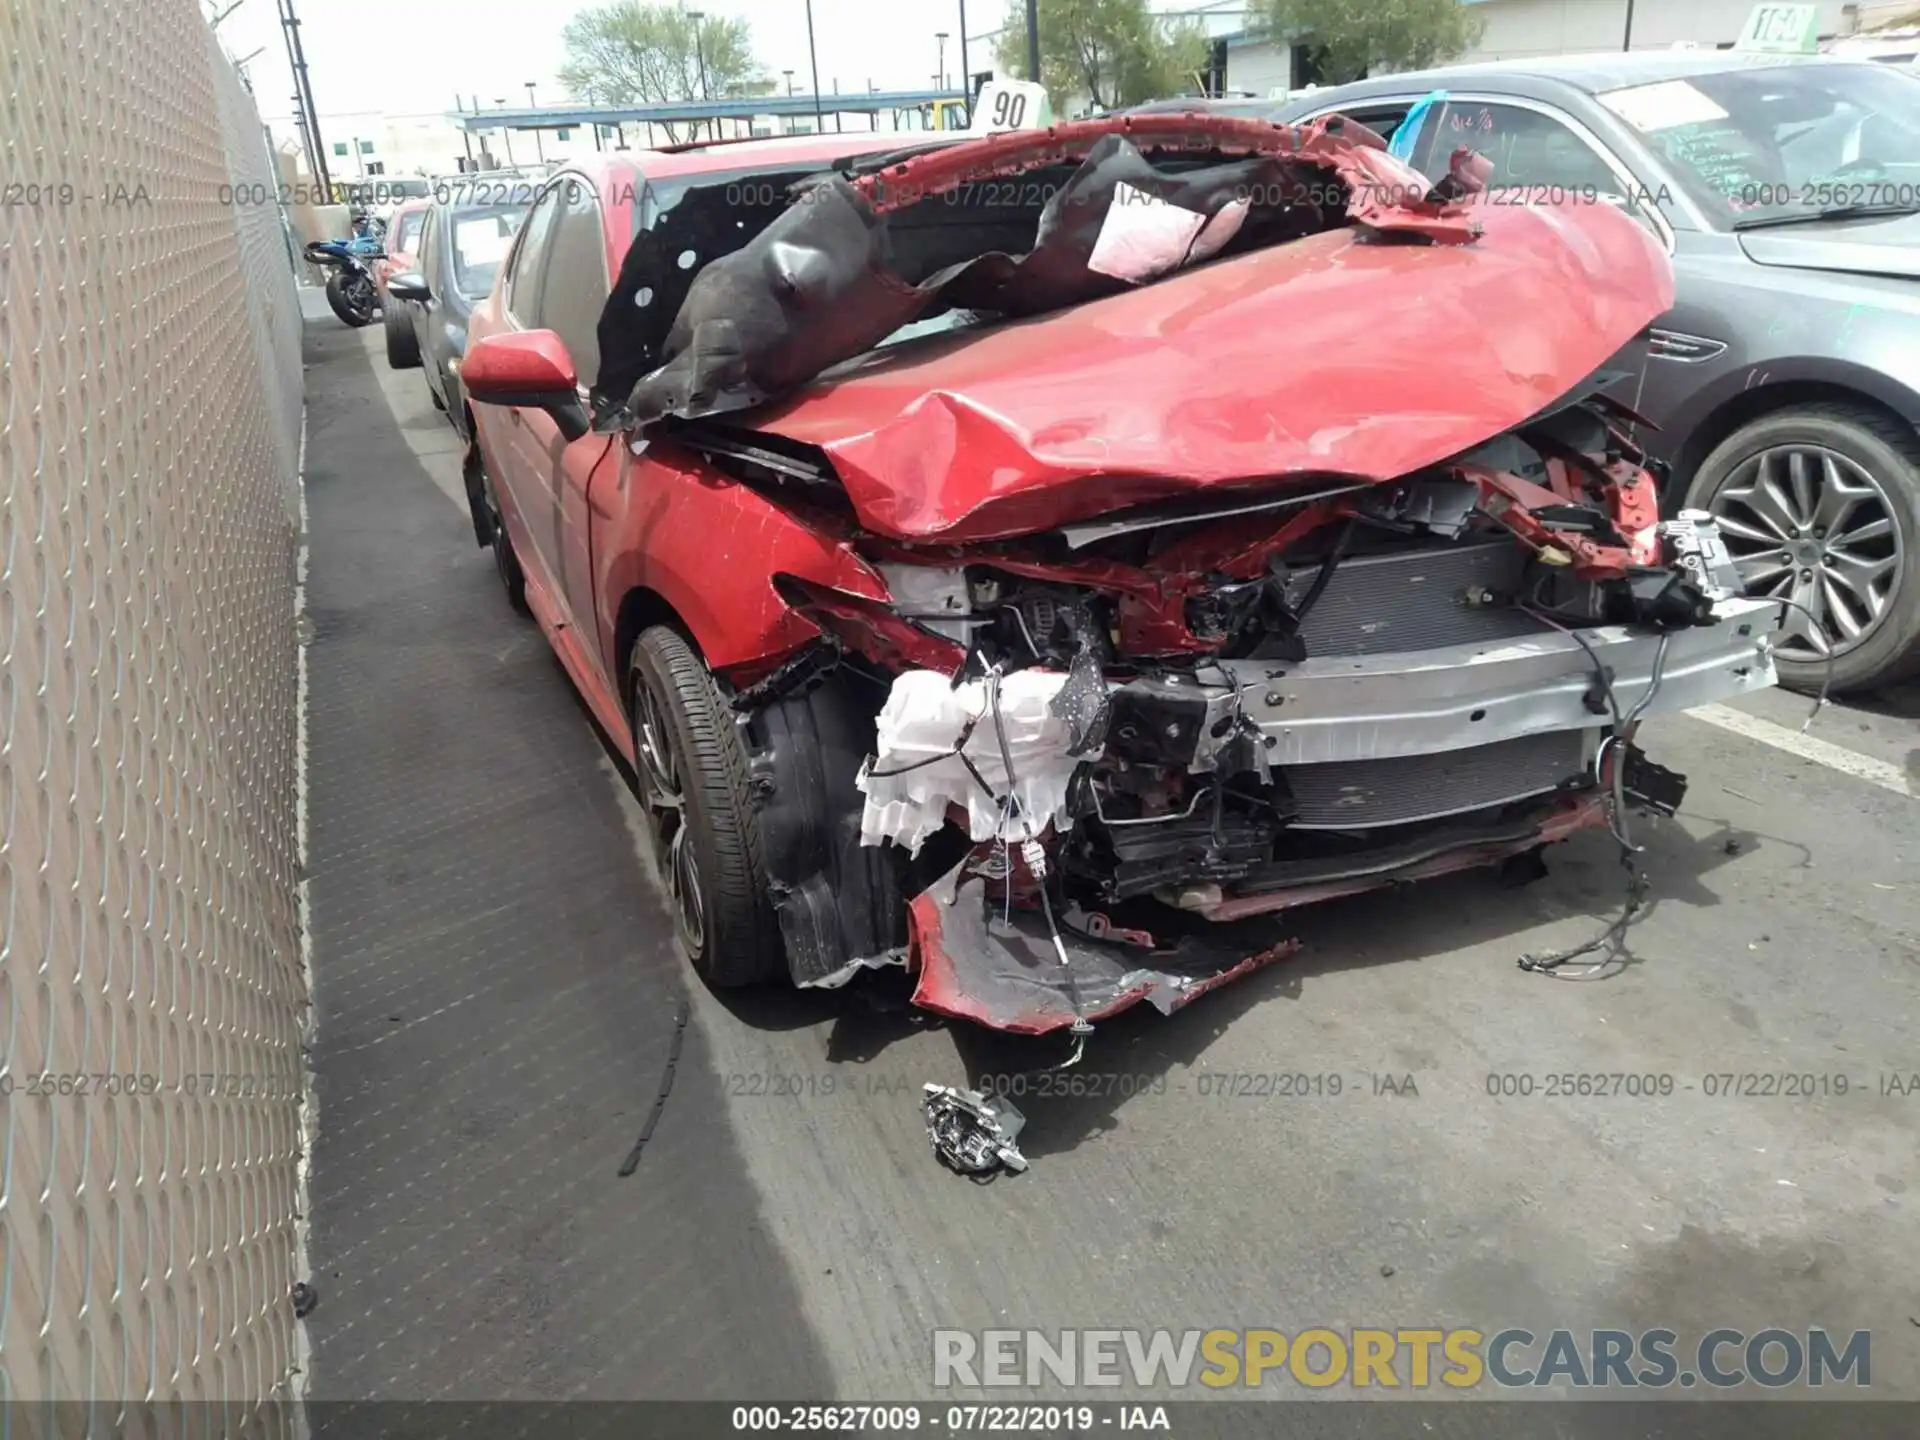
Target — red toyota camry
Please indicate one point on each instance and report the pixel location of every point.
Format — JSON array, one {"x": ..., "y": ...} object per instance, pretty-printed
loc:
[{"x": 1038, "y": 560}]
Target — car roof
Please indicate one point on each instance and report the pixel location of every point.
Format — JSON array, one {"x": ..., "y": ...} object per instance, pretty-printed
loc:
[{"x": 1594, "y": 73}]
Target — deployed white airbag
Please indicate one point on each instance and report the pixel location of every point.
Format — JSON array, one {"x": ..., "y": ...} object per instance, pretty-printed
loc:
[{"x": 917, "y": 770}]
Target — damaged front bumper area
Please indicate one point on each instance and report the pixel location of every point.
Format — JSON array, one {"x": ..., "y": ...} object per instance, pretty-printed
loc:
[
  {"x": 1265, "y": 788},
  {"x": 1099, "y": 772}
]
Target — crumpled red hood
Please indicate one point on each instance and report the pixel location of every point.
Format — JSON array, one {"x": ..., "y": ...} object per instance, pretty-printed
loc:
[{"x": 1329, "y": 355}]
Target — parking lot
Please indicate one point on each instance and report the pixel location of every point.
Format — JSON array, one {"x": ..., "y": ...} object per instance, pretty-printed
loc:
[{"x": 1365, "y": 1134}]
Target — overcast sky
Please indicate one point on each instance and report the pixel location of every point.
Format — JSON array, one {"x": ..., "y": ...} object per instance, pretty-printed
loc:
[{"x": 405, "y": 57}]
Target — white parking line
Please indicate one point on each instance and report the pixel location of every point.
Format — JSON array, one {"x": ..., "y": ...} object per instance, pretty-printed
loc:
[{"x": 1822, "y": 752}]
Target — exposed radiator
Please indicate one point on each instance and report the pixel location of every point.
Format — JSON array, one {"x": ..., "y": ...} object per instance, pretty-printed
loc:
[
  {"x": 1359, "y": 794},
  {"x": 1415, "y": 600}
]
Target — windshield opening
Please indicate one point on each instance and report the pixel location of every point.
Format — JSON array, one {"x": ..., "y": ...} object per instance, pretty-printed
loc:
[{"x": 1784, "y": 142}]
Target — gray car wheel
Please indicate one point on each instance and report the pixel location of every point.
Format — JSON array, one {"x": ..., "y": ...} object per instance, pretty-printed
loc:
[{"x": 1820, "y": 505}]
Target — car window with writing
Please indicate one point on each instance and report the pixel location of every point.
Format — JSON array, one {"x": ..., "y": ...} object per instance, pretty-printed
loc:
[{"x": 1526, "y": 148}]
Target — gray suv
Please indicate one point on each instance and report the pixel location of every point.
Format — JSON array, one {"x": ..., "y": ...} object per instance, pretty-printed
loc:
[{"x": 1785, "y": 381}]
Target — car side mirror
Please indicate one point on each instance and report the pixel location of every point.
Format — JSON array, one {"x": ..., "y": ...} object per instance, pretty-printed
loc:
[
  {"x": 410, "y": 285},
  {"x": 530, "y": 370}
]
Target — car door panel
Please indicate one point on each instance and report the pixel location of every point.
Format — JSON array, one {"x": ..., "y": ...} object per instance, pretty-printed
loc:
[
  {"x": 528, "y": 440},
  {"x": 428, "y": 319},
  {"x": 590, "y": 467}
]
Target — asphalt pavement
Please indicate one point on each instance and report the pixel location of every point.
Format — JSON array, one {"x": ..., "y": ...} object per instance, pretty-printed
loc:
[{"x": 1362, "y": 1135}]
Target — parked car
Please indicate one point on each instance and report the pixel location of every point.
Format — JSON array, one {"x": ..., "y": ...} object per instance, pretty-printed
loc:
[
  {"x": 1785, "y": 381},
  {"x": 461, "y": 246},
  {"x": 989, "y": 574},
  {"x": 402, "y": 241},
  {"x": 1891, "y": 46}
]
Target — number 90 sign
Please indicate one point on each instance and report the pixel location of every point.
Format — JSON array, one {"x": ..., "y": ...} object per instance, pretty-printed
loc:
[{"x": 1011, "y": 105}]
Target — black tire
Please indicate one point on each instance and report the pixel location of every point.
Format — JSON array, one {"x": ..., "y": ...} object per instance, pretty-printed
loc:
[
  {"x": 403, "y": 346},
  {"x": 490, "y": 527},
  {"x": 735, "y": 940},
  {"x": 1889, "y": 454},
  {"x": 344, "y": 306}
]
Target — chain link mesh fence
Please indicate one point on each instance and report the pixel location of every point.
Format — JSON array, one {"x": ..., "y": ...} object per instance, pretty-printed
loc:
[{"x": 150, "y": 977}]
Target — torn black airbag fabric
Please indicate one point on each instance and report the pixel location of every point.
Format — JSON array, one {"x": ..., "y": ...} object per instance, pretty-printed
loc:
[{"x": 831, "y": 277}]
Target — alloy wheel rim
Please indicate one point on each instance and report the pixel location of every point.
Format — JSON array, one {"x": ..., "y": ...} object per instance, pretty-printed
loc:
[
  {"x": 666, "y": 804},
  {"x": 1807, "y": 524}
]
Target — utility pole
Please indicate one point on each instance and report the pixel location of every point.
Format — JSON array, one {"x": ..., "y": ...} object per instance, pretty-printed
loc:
[
  {"x": 306, "y": 141},
  {"x": 966, "y": 73},
  {"x": 813, "y": 59},
  {"x": 940, "y": 78},
  {"x": 1033, "y": 41},
  {"x": 539, "y": 144},
  {"x": 1626, "y": 40},
  {"x": 788, "y": 127},
  {"x": 303, "y": 87}
]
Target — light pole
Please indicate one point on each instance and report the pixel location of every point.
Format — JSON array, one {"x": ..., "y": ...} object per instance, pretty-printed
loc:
[
  {"x": 813, "y": 60},
  {"x": 466, "y": 135},
  {"x": 789, "y": 75},
  {"x": 539, "y": 145},
  {"x": 506, "y": 131},
  {"x": 700, "y": 54},
  {"x": 940, "y": 78},
  {"x": 1033, "y": 41},
  {"x": 1626, "y": 40}
]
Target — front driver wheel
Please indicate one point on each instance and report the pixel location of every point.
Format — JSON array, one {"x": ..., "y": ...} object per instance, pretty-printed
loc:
[
  {"x": 693, "y": 783},
  {"x": 1820, "y": 505},
  {"x": 505, "y": 562},
  {"x": 403, "y": 346}
]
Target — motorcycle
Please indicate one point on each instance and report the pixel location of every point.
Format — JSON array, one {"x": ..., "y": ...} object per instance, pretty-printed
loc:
[{"x": 350, "y": 289}]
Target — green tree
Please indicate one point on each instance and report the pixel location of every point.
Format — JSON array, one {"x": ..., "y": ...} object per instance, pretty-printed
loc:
[
  {"x": 1116, "y": 52},
  {"x": 627, "y": 53},
  {"x": 1352, "y": 38}
]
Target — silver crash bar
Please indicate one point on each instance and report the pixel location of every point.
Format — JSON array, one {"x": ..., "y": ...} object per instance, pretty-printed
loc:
[{"x": 1457, "y": 696}]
